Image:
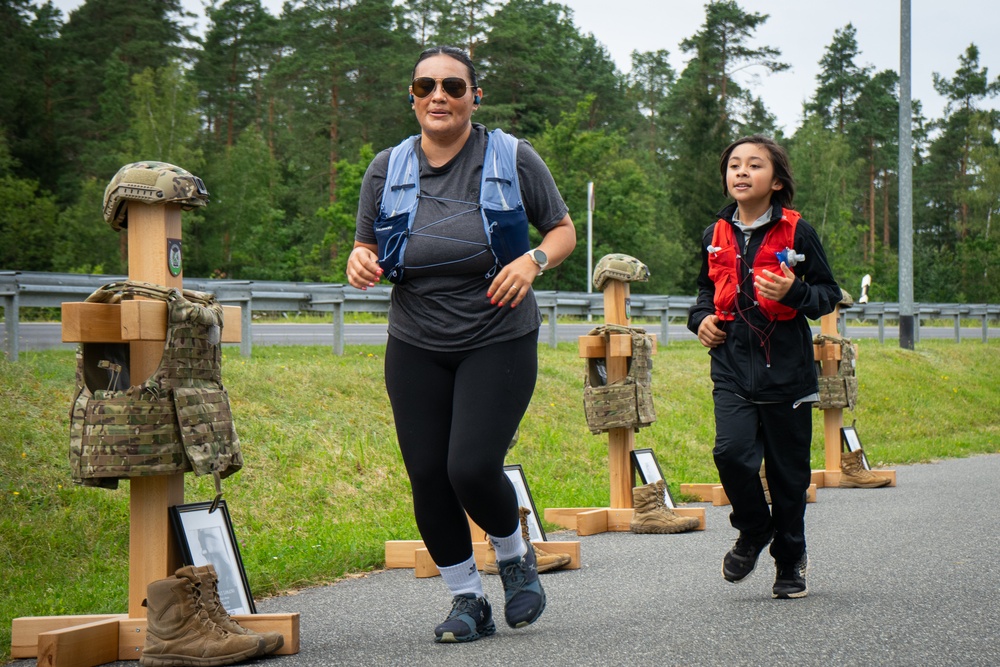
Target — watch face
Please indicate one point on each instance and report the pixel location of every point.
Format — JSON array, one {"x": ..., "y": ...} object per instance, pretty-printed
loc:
[{"x": 540, "y": 257}]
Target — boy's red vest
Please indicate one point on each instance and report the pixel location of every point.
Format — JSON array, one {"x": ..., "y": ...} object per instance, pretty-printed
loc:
[{"x": 724, "y": 265}]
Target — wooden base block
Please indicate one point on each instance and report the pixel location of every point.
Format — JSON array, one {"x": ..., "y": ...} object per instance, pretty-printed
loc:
[
  {"x": 25, "y": 631},
  {"x": 890, "y": 474},
  {"x": 402, "y": 553},
  {"x": 696, "y": 512},
  {"x": 831, "y": 478},
  {"x": 413, "y": 551},
  {"x": 569, "y": 547},
  {"x": 75, "y": 641},
  {"x": 594, "y": 520},
  {"x": 717, "y": 495},
  {"x": 703, "y": 492},
  {"x": 565, "y": 516},
  {"x": 83, "y": 645}
]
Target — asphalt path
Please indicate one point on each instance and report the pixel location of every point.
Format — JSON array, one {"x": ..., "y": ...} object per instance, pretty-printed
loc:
[
  {"x": 46, "y": 336},
  {"x": 906, "y": 576}
]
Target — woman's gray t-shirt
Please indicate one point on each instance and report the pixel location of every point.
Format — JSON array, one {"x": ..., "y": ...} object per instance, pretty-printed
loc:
[{"x": 444, "y": 306}]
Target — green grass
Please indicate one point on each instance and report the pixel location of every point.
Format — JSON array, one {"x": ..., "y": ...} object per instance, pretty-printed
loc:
[{"x": 324, "y": 485}]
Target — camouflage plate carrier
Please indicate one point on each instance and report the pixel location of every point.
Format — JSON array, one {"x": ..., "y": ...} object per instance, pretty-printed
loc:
[
  {"x": 840, "y": 390},
  {"x": 627, "y": 403},
  {"x": 176, "y": 421}
]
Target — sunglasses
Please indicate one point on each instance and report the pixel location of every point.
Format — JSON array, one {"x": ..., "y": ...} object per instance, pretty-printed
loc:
[{"x": 423, "y": 86}]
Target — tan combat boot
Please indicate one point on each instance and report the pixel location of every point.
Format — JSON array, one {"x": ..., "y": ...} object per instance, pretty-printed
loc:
[
  {"x": 206, "y": 578},
  {"x": 854, "y": 475},
  {"x": 544, "y": 560},
  {"x": 179, "y": 631},
  {"x": 651, "y": 514}
]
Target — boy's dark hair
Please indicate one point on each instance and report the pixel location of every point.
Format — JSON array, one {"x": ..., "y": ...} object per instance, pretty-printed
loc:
[
  {"x": 454, "y": 52},
  {"x": 779, "y": 160}
]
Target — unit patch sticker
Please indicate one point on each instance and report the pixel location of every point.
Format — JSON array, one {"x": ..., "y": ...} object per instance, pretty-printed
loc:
[{"x": 174, "y": 256}]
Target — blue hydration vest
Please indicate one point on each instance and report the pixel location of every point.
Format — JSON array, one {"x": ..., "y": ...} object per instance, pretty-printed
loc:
[{"x": 504, "y": 217}]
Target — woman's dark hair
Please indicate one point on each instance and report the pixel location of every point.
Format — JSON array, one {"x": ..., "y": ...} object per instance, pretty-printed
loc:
[
  {"x": 779, "y": 160},
  {"x": 454, "y": 52}
]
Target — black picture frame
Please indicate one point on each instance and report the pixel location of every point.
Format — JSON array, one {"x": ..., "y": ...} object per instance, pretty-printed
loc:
[
  {"x": 850, "y": 439},
  {"x": 515, "y": 473},
  {"x": 208, "y": 537},
  {"x": 645, "y": 463}
]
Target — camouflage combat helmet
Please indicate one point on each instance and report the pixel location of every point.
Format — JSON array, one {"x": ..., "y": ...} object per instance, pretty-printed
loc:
[
  {"x": 150, "y": 182},
  {"x": 617, "y": 266}
]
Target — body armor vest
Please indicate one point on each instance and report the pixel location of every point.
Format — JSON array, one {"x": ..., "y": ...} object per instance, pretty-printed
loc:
[
  {"x": 627, "y": 403},
  {"x": 840, "y": 390},
  {"x": 176, "y": 421},
  {"x": 725, "y": 264}
]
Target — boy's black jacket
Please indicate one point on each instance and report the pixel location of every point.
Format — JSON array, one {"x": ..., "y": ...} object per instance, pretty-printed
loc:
[{"x": 765, "y": 360}]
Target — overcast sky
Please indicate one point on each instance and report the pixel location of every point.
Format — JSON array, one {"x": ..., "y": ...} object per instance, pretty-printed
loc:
[{"x": 801, "y": 29}]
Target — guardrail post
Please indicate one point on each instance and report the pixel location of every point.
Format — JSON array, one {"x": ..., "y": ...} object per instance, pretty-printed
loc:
[
  {"x": 11, "y": 316},
  {"x": 338, "y": 327},
  {"x": 665, "y": 322},
  {"x": 547, "y": 307}
]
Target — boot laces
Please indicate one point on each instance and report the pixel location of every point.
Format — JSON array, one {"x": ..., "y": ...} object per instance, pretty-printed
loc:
[{"x": 202, "y": 610}]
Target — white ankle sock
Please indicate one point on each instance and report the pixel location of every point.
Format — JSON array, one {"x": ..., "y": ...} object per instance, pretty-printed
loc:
[
  {"x": 509, "y": 547},
  {"x": 463, "y": 578}
]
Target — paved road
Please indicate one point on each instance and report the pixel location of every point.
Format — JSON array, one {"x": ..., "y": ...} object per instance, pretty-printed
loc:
[
  {"x": 903, "y": 576},
  {"x": 44, "y": 336}
]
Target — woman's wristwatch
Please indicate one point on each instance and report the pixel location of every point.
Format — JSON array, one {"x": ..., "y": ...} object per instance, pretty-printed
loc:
[{"x": 540, "y": 258}]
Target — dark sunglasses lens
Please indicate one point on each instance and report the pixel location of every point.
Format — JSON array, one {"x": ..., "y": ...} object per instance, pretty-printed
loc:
[
  {"x": 454, "y": 86},
  {"x": 422, "y": 86}
]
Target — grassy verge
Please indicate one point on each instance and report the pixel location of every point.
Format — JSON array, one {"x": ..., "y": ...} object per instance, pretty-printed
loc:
[{"x": 324, "y": 486}]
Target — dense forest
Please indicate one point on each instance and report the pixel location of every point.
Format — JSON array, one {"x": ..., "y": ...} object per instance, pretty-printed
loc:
[{"x": 280, "y": 115}]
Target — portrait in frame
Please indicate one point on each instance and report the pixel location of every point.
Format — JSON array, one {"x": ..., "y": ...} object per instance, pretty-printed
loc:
[
  {"x": 207, "y": 537},
  {"x": 645, "y": 463}
]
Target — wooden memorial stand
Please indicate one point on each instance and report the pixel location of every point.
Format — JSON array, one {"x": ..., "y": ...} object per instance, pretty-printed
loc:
[
  {"x": 833, "y": 418},
  {"x": 621, "y": 441},
  {"x": 60, "y": 641}
]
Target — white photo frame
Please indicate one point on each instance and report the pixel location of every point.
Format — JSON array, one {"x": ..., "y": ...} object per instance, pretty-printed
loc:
[
  {"x": 207, "y": 537},
  {"x": 515, "y": 473},
  {"x": 645, "y": 463},
  {"x": 849, "y": 437}
]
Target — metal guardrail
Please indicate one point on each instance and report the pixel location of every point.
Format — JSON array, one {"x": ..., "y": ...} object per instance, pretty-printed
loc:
[{"x": 50, "y": 290}]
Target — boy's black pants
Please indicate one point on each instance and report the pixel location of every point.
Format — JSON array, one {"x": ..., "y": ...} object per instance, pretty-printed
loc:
[{"x": 779, "y": 434}]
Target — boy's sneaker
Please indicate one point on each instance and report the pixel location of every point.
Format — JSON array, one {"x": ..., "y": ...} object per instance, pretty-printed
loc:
[
  {"x": 471, "y": 617},
  {"x": 741, "y": 560},
  {"x": 523, "y": 594},
  {"x": 790, "y": 581}
]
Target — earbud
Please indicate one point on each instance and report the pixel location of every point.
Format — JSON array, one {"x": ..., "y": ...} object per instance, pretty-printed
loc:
[
  {"x": 411, "y": 98},
  {"x": 475, "y": 99}
]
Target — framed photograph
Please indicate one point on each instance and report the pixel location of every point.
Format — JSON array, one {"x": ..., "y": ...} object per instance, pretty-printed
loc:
[
  {"x": 649, "y": 471},
  {"x": 515, "y": 473},
  {"x": 207, "y": 537},
  {"x": 850, "y": 438}
]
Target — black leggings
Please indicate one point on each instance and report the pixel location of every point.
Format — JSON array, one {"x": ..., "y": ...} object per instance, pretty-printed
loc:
[{"x": 455, "y": 415}]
